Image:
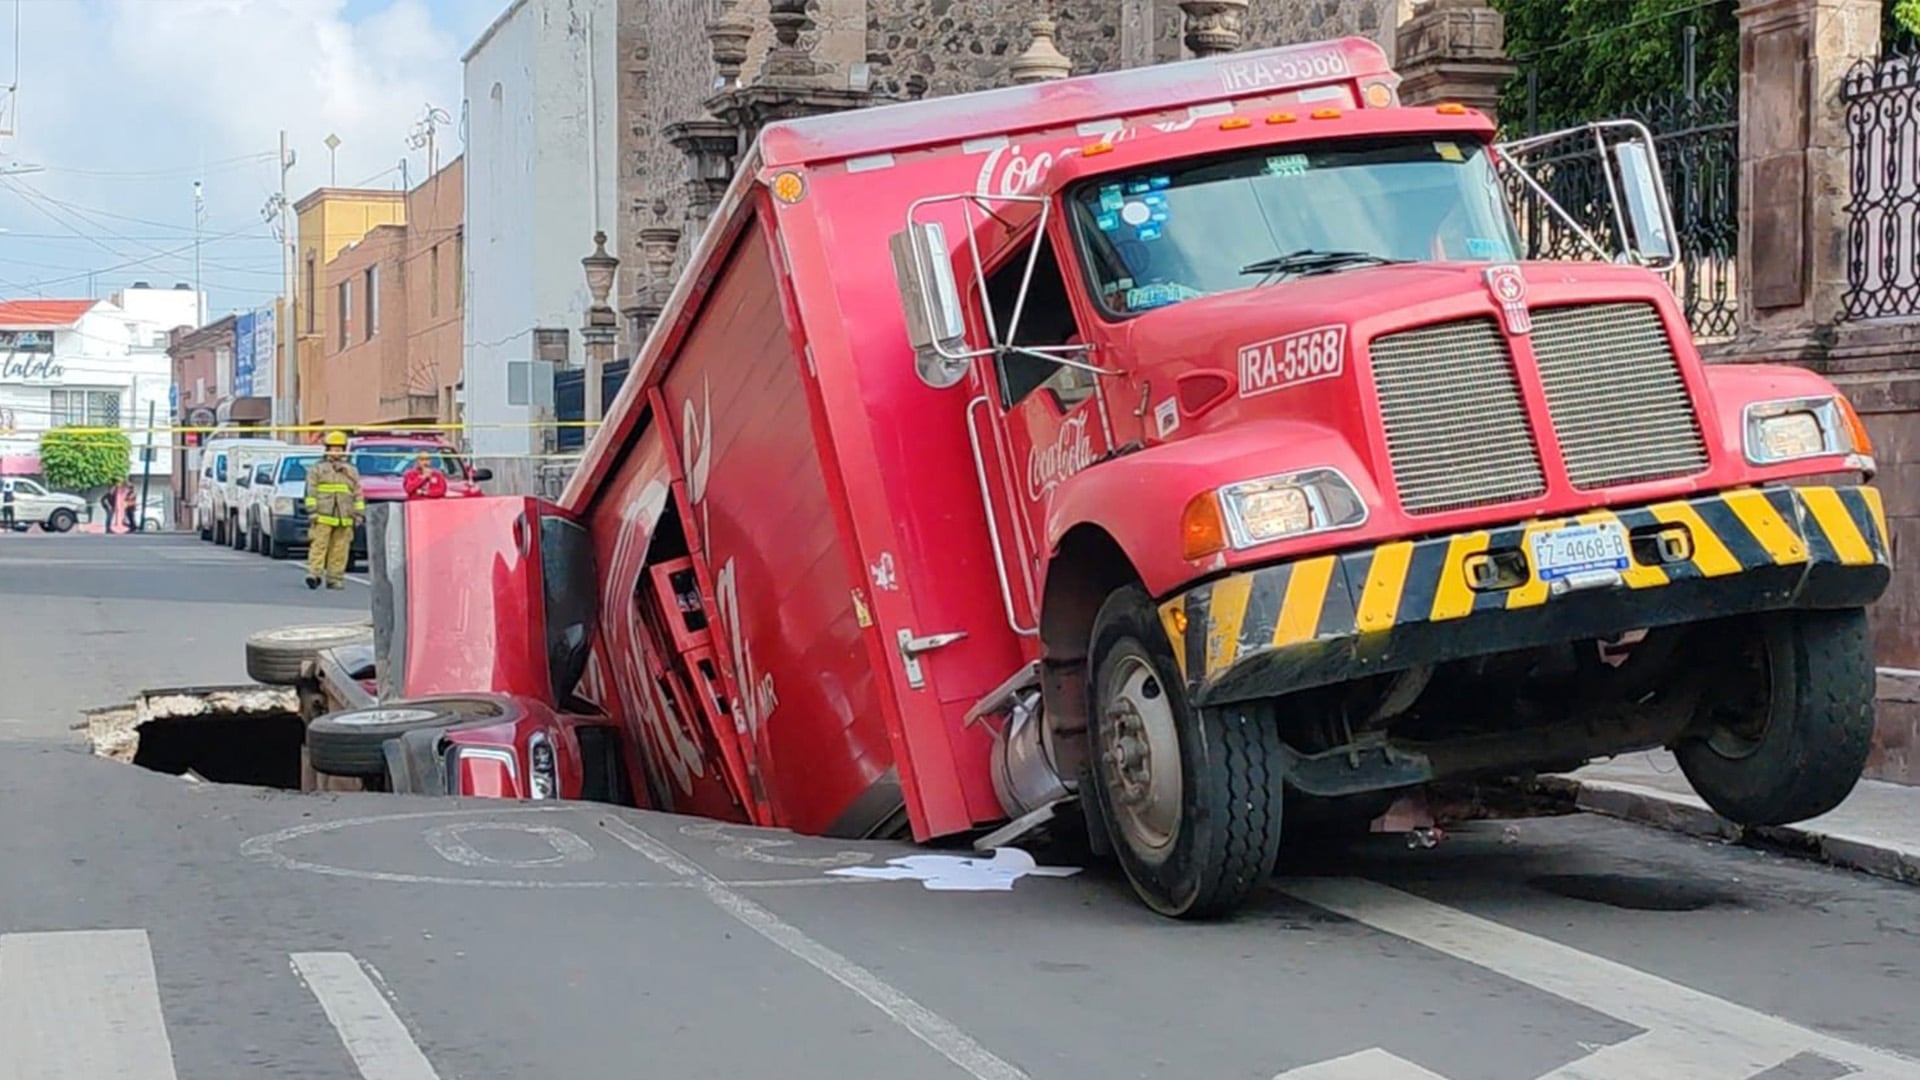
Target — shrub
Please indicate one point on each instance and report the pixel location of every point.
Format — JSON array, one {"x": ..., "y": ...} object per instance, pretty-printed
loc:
[{"x": 78, "y": 459}]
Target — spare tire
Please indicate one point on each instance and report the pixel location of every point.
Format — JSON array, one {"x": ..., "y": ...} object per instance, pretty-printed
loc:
[
  {"x": 275, "y": 657},
  {"x": 353, "y": 742}
]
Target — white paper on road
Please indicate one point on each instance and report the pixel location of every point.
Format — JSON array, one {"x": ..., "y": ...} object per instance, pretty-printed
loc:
[
  {"x": 378, "y": 1042},
  {"x": 960, "y": 873},
  {"x": 1690, "y": 1034},
  {"x": 81, "y": 1005}
]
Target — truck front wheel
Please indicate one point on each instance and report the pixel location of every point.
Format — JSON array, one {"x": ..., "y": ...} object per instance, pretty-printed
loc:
[
  {"x": 1788, "y": 736},
  {"x": 1191, "y": 797}
]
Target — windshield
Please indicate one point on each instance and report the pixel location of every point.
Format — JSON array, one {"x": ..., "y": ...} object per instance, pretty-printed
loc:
[
  {"x": 295, "y": 468},
  {"x": 1224, "y": 223},
  {"x": 395, "y": 461}
]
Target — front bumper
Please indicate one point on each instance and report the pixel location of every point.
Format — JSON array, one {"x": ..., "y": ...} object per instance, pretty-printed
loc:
[{"x": 1327, "y": 619}]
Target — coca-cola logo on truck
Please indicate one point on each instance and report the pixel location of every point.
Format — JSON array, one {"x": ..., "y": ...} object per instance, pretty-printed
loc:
[{"x": 1049, "y": 464}]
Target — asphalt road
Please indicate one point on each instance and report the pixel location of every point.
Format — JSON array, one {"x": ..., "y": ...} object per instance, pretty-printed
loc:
[{"x": 153, "y": 928}]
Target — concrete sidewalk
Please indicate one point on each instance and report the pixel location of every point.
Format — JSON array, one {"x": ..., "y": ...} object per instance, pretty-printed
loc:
[{"x": 1876, "y": 831}]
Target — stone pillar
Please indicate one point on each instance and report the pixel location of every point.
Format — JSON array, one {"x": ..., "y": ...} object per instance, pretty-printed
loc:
[
  {"x": 710, "y": 147},
  {"x": 1214, "y": 26},
  {"x": 1042, "y": 60},
  {"x": 1453, "y": 50},
  {"x": 1794, "y": 161},
  {"x": 659, "y": 248},
  {"x": 791, "y": 82}
]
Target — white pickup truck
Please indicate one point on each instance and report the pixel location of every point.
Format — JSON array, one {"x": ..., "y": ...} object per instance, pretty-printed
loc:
[{"x": 33, "y": 504}]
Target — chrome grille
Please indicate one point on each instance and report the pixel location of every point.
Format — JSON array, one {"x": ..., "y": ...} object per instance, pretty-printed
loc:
[
  {"x": 1614, "y": 391},
  {"x": 1455, "y": 425}
]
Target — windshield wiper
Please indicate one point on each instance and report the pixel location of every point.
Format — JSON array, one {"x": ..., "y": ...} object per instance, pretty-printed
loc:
[{"x": 1312, "y": 261}]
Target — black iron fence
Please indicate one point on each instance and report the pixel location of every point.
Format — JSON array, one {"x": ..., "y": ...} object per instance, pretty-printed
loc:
[
  {"x": 1696, "y": 137},
  {"x": 1882, "y": 99}
]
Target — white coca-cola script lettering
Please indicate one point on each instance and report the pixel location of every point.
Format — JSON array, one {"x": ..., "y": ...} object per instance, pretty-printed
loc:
[{"x": 1070, "y": 451}]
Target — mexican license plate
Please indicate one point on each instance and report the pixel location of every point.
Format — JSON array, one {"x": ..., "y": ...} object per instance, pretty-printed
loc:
[{"x": 1572, "y": 550}]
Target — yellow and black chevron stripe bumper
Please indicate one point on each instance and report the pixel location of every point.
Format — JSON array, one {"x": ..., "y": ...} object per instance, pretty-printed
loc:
[{"x": 1330, "y": 618}]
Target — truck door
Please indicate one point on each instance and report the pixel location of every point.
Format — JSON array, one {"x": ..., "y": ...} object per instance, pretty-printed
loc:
[{"x": 1047, "y": 418}]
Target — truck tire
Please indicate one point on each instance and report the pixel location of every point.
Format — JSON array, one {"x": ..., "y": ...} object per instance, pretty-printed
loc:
[
  {"x": 236, "y": 536},
  {"x": 1789, "y": 739},
  {"x": 275, "y": 657},
  {"x": 275, "y": 549},
  {"x": 354, "y": 742},
  {"x": 1191, "y": 797},
  {"x": 220, "y": 531},
  {"x": 62, "y": 520}
]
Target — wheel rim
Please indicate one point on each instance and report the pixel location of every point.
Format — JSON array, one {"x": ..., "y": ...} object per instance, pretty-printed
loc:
[
  {"x": 383, "y": 717},
  {"x": 1740, "y": 726},
  {"x": 1141, "y": 748}
]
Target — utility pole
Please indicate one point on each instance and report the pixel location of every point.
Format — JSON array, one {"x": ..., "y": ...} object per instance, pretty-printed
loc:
[
  {"x": 423, "y": 134},
  {"x": 146, "y": 474},
  {"x": 286, "y": 403},
  {"x": 199, "y": 297}
]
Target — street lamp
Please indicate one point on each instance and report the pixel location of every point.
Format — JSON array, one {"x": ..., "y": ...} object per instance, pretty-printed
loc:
[{"x": 602, "y": 326}]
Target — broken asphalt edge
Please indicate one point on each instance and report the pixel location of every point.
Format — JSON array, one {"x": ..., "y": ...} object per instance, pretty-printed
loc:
[{"x": 1675, "y": 813}]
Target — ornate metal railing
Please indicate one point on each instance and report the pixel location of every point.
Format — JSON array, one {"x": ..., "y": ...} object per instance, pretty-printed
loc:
[
  {"x": 1882, "y": 99},
  {"x": 1697, "y": 138}
]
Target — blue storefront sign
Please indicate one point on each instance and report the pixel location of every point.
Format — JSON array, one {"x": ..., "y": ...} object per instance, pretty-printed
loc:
[{"x": 243, "y": 355}]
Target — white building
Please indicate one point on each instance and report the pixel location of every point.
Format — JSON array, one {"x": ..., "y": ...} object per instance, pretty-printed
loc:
[
  {"x": 91, "y": 363},
  {"x": 541, "y": 168}
]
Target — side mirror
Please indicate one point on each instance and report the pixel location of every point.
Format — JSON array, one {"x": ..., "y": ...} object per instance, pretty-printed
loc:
[
  {"x": 482, "y": 474},
  {"x": 1608, "y": 171},
  {"x": 1649, "y": 210},
  {"x": 930, "y": 299}
]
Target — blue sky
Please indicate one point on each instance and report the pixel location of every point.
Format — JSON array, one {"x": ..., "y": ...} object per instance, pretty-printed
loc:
[{"x": 125, "y": 103}]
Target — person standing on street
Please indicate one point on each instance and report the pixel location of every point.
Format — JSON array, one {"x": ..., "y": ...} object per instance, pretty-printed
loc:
[
  {"x": 335, "y": 505},
  {"x": 422, "y": 480},
  {"x": 6, "y": 505}
]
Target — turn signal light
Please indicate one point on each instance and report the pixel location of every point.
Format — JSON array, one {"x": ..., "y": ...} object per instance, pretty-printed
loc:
[
  {"x": 1326, "y": 114},
  {"x": 1203, "y": 529},
  {"x": 1451, "y": 108},
  {"x": 1235, "y": 123},
  {"x": 1862, "y": 442},
  {"x": 1280, "y": 118},
  {"x": 1096, "y": 148}
]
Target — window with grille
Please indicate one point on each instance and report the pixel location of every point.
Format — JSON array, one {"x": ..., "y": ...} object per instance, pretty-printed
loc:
[{"x": 85, "y": 408}]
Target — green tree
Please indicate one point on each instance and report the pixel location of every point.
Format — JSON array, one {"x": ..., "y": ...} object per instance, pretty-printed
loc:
[
  {"x": 1900, "y": 24},
  {"x": 1602, "y": 58},
  {"x": 76, "y": 459}
]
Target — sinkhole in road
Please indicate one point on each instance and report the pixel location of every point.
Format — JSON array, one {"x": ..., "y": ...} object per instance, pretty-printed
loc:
[
  {"x": 1632, "y": 893},
  {"x": 249, "y": 735}
]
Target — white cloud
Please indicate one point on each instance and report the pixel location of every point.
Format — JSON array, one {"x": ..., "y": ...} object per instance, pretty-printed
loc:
[{"x": 127, "y": 101}]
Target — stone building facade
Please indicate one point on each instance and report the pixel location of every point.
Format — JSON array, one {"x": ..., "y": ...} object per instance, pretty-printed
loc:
[{"x": 676, "y": 55}]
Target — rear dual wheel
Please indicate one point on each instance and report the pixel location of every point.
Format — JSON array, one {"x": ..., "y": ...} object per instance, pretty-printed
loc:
[{"x": 1191, "y": 797}]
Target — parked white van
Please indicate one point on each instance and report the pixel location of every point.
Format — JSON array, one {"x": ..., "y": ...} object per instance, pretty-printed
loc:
[
  {"x": 214, "y": 508},
  {"x": 271, "y": 514}
]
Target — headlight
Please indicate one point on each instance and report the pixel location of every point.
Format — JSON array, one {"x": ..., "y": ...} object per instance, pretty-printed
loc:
[
  {"x": 282, "y": 506},
  {"x": 1270, "y": 508},
  {"x": 1800, "y": 428},
  {"x": 542, "y": 780}
]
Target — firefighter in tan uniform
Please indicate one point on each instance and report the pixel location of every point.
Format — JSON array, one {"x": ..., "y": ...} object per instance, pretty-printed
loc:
[{"x": 334, "y": 505}]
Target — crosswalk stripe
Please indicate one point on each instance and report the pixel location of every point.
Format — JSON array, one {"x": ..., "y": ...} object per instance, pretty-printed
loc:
[
  {"x": 81, "y": 1005},
  {"x": 1725, "y": 1037},
  {"x": 1375, "y": 1064},
  {"x": 378, "y": 1042}
]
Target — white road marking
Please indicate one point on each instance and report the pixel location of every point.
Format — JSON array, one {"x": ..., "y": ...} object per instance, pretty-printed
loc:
[
  {"x": 449, "y": 842},
  {"x": 379, "y": 1043},
  {"x": 923, "y": 1023},
  {"x": 1707, "y": 1037},
  {"x": 266, "y": 849},
  {"x": 81, "y": 1005},
  {"x": 1375, "y": 1064}
]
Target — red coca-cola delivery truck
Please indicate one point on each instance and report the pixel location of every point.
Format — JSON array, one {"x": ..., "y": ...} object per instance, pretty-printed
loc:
[{"x": 1163, "y": 455}]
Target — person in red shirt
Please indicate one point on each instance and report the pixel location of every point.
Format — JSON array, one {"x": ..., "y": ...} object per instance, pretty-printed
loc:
[{"x": 423, "y": 481}]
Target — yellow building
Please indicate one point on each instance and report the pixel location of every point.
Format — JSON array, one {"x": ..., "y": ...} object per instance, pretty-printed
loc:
[{"x": 330, "y": 219}]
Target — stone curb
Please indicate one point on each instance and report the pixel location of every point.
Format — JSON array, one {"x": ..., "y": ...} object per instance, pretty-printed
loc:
[{"x": 1676, "y": 813}]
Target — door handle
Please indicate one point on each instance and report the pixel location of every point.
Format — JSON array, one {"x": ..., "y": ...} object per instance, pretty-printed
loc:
[{"x": 911, "y": 647}]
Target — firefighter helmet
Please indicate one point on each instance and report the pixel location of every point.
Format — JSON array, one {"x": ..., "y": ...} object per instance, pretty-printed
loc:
[{"x": 336, "y": 438}]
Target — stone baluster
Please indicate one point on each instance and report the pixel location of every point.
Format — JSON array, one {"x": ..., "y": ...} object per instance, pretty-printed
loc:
[{"x": 1213, "y": 26}]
